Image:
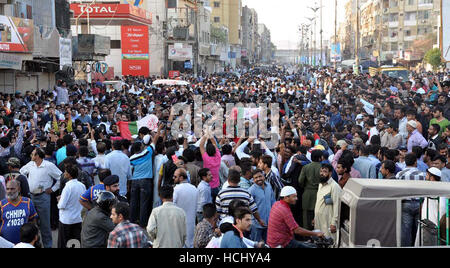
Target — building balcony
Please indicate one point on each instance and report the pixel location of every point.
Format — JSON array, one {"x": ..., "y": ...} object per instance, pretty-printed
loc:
[
  {"x": 410, "y": 23},
  {"x": 410, "y": 38},
  {"x": 393, "y": 24}
]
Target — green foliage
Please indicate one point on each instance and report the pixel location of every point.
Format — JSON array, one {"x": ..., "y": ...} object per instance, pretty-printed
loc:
[
  {"x": 219, "y": 35},
  {"x": 433, "y": 57}
]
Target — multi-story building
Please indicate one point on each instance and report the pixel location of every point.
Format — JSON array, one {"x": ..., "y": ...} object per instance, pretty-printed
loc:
[
  {"x": 250, "y": 35},
  {"x": 128, "y": 29},
  {"x": 228, "y": 13},
  {"x": 401, "y": 30},
  {"x": 266, "y": 53},
  {"x": 30, "y": 36}
]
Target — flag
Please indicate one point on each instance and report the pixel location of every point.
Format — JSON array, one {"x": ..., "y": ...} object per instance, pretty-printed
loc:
[{"x": 129, "y": 129}]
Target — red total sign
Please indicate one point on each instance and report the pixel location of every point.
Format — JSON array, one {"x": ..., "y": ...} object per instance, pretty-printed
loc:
[{"x": 111, "y": 10}]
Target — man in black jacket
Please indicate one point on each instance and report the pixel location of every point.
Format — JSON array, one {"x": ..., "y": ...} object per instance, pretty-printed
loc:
[{"x": 97, "y": 225}]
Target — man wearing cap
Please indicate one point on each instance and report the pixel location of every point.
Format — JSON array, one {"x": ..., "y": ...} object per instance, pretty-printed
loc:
[
  {"x": 112, "y": 185},
  {"x": 431, "y": 208},
  {"x": 440, "y": 162},
  {"x": 359, "y": 120},
  {"x": 415, "y": 138},
  {"x": 14, "y": 174},
  {"x": 282, "y": 226}
]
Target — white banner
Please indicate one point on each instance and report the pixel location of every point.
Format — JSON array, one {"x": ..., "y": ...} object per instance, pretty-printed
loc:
[
  {"x": 446, "y": 30},
  {"x": 65, "y": 52},
  {"x": 180, "y": 54}
]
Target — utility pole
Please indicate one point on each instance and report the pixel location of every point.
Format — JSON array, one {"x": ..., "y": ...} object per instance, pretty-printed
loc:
[
  {"x": 335, "y": 32},
  {"x": 321, "y": 35},
  {"x": 197, "y": 47},
  {"x": 311, "y": 44},
  {"x": 315, "y": 9},
  {"x": 357, "y": 39}
]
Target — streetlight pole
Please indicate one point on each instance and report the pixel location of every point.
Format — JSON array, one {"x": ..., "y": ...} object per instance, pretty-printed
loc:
[
  {"x": 321, "y": 35},
  {"x": 315, "y": 9},
  {"x": 335, "y": 32},
  {"x": 312, "y": 40},
  {"x": 357, "y": 39}
]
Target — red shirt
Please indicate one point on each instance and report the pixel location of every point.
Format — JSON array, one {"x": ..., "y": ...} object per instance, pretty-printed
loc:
[{"x": 281, "y": 225}]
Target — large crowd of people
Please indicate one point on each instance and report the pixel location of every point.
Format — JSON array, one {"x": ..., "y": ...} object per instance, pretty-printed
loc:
[{"x": 66, "y": 165}]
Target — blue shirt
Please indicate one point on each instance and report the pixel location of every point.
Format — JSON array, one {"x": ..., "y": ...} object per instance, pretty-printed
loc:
[
  {"x": 91, "y": 193},
  {"x": 204, "y": 195},
  {"x": 445, "y": 177},
  {"x": 12, "y": 217},
  {"x": 61, "y": 154},
  {"x": 231, "y": 240},
  {"x": 422, "y": 166},
  {"x": 264, "y": 199},
  {"x": 245, "y": 184},
  {"x": 366, "y": 167},
  {"x": 143, "y": 164},
  {"x": 119, "y": 164}
]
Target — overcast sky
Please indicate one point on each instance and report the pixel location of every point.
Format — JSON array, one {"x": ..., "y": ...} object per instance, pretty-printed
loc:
[{"x": 283, "y": 18}]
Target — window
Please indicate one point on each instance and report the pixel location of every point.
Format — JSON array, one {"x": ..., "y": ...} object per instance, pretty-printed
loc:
[
  {"x": 393, "y": 17},
  {"x": 423, "y": 30},
  {"x": 216, "y": 4},
  {"x": 421, "y": 2},
  {"x": 393, "y": 3},
  {"x": 407, "y": 32},
  {"x": 410, "y": 16},
  {"x": 216, "y": 19},
  {"x": 411, "y": 2},
  {"x": 394, "y": 46},
  {"x": 424, "y": 14},
  {"x": 115, "y": 44}
]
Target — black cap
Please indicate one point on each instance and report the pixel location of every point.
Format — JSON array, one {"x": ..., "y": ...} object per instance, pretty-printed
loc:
[{"x": 110, "y": 180}]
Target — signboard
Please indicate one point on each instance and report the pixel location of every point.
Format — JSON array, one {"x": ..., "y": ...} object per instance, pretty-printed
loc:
[
  {"x": 10, "y": 61},
  {"x": 65, "y": 52},
  {"x": 335, "y": 55},
  {"x": 180, "y": 54},
  {"x": 17, "y": 35},
  {"x": 188, "y": 65},
  {"x": 135, "y": 50},
  {"x": 445, "y": 30},
  {"x": 174, "y": 74},
  {"x": 111, "y": 10}
]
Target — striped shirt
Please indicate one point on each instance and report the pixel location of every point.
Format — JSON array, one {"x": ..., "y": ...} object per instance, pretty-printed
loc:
[
  {"x": 410, "y": 173},
  {"x": 231, "y": 193}
]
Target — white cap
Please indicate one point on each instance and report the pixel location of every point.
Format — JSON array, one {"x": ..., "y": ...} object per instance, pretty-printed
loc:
[
  {"x": 287, "y": 191},
  {"x": 434, "y": 171},
  {"x": 359, "y": 117},
  {"x": 412, "y": 123},
  {"x": 134, "y": 137}
]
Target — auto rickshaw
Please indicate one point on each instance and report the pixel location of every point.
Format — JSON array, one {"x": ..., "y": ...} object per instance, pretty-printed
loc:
[{"x": 370, "y": 213}]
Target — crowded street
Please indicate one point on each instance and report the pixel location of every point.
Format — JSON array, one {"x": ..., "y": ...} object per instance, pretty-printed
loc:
[{"x": 188, "y": 124}]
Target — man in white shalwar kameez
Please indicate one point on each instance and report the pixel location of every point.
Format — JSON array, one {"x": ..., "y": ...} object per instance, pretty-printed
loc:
[
  {"x": 185, "y": 196},
  {"x": 431, "y": 206},
  {"x": 327, "y": 203}
]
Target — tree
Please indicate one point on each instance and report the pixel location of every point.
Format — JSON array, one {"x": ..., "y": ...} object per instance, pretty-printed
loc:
[{"x": 433, "y": 57}]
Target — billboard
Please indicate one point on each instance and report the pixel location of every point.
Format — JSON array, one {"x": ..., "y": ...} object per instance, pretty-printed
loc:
[
  {"x": 135, "y": 50},
  {"x": 106, "y": 11},
  {"x": 445, "y": 30},
  {"x": 180, "y": 53},
  {"x": 65, "y": 52},
  {"x": 17, "y": 34},
  {"x": 335, "y": 55}
]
